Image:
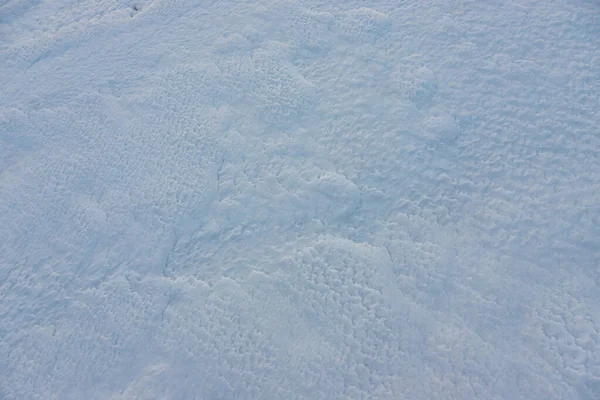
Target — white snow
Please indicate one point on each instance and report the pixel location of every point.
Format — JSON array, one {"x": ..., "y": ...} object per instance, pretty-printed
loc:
[{"x": 299, "y": 199}]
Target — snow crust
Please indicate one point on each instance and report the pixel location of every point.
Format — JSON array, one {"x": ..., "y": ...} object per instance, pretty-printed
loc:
[{"x": 299, "y": 199}]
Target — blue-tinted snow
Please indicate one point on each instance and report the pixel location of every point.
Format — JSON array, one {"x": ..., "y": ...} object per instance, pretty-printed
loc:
[{"x": 319, "y": 200}]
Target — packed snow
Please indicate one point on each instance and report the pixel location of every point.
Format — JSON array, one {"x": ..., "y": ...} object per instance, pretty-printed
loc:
[{"x": 299, "y": 199}]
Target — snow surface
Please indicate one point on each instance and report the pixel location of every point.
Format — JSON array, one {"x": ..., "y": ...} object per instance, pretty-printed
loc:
[{"x": 299, "y": 199}]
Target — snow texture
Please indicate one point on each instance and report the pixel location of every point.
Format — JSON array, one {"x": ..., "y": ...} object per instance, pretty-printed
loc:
[{"x": 299, "y": 199}]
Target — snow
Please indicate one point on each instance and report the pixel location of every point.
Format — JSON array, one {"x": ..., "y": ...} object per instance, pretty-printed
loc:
[{"x": 299, "y": 199}]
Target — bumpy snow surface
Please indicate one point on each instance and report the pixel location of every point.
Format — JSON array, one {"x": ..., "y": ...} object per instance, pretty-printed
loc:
[{"x": 299, "y": 199}]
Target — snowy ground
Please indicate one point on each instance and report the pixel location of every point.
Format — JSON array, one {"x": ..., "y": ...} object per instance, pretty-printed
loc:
[{"x": 299, "y": 199}]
